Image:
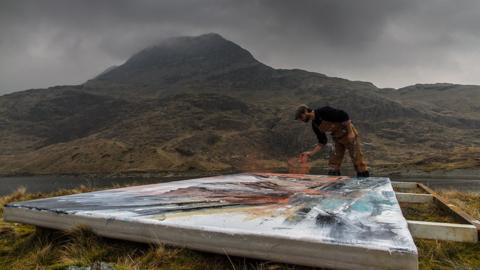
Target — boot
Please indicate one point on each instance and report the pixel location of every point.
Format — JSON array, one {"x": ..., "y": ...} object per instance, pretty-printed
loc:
[
  {"x": 334, "y": 172},
  {"x": 363, "y": 174}
]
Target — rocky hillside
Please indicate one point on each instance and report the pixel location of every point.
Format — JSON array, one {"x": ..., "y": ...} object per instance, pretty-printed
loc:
[{"x": 206, "y": 104}]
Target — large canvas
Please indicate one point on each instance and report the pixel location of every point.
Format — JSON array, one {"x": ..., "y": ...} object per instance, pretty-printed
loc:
[{"x": 325, "y": 215}]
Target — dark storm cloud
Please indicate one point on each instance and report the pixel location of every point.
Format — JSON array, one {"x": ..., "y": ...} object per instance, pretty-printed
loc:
[{"x": 389, "y": 42}]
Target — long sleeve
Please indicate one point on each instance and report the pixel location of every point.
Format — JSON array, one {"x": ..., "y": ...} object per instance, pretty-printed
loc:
[{"x": 321, "y": 136}]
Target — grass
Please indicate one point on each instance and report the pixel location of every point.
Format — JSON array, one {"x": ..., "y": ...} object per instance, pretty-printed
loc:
[
  {"x": 447, "y": 255},
  {"x": 427, "y": 212},
  {"x": 27, "y": 247},
  {"x": 451, "y": 255},
  {"x": 468, "y": 201}
]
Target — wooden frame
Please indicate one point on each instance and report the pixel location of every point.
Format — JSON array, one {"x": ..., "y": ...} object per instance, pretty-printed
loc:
[{"x": 467, "y": 232}]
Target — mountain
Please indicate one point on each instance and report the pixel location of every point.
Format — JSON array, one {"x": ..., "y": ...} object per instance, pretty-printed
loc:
[
  {"x": 207, "y": 61},
  {"x": 183, "y": 59},
  {"x": 206, "y": 104}
]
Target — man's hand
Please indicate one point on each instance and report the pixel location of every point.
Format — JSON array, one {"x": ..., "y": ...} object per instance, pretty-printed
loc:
[
  {"x": 306, "y": 154},
  {"x": 309, "y": 154}
]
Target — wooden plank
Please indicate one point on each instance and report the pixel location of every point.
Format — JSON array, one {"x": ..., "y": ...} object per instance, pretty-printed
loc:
[
  {"x": 396, "y": 184},
  {"x": 414, "y": 197},
  {"x": 443, "y": 231}
]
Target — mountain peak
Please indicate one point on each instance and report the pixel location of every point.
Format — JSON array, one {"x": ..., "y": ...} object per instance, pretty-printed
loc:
[
  {"x": 182, "y": 58},
  {"x": 209, "y": 37},
  {"x": 191, "y": 42}
]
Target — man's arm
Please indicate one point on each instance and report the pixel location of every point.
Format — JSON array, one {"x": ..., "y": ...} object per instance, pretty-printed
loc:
[
  {"x": 322, "y": 140},
  {"x": 315, "y": 150}
]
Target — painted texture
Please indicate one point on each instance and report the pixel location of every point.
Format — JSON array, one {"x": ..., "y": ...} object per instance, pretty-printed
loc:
[{"x": 360, "y": 212}]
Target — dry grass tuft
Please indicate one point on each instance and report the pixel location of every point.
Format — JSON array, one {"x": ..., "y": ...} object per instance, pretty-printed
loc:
[
  {"x": 427, "y": 212},
  {"x": 468, "y": 201},
  {"x": 448, "y": 255},
  {"x": 452, "y": 255}
]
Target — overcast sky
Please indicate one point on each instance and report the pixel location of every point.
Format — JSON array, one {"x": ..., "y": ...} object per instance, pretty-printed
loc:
[{"x": 392, "y": 43}]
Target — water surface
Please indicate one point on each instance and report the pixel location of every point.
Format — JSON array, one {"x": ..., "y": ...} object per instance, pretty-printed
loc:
[{"x": 50, "y": 183}]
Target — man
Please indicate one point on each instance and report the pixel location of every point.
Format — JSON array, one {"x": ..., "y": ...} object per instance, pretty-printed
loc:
[{"x": 338, "y": 124}]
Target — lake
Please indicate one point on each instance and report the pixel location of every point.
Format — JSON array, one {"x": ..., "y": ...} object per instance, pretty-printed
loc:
[{"x": 51, "y": 183}]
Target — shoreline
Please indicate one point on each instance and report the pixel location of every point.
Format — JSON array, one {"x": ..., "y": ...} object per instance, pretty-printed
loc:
[{"x": 462, "y": 174}]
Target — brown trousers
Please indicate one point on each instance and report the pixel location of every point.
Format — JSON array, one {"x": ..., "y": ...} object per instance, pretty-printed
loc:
[{"x": 354, "y": 149}]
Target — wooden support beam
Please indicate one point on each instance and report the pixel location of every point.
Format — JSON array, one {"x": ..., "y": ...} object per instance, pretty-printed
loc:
[
  {"x": 396, "y": 184},
  {"x": 443, "y": 231},
  {"x": 414, "y": 197}
]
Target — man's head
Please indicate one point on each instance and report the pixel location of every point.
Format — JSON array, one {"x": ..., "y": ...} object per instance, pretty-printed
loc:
[{"x": 304, "y": 113}]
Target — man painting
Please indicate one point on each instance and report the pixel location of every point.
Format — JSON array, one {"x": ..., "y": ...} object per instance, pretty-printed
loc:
[{"x": 345, "y": 136}]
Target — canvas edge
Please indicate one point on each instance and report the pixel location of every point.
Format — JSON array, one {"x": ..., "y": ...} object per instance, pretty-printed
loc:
[{"x": 299, "y": 252}]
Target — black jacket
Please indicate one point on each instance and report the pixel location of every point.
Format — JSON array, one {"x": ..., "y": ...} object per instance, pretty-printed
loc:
[{"x": 328, "y": 114}]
